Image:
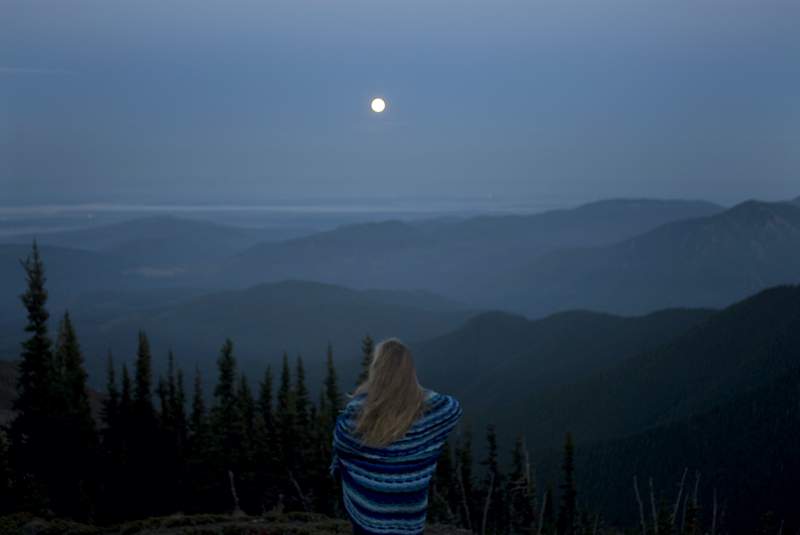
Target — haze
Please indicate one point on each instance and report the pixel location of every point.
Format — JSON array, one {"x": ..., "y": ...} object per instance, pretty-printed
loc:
[{"x": 257, "y": 102}]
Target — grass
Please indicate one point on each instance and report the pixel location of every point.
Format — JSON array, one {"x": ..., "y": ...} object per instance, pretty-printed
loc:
[{"x": 268, "y": 524}]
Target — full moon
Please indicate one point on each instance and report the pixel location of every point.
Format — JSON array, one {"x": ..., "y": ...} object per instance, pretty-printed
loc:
[{"x": 378, "y": 105}]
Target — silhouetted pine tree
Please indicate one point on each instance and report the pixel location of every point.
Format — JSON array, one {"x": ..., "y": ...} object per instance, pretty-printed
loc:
[
  {"x": 227, "y": 426},
  {"x": 143, "y": 392},
  {"x": 333, "y": 397},
  {"x": 248, "y": 485},
  {"x": 6, "y": 487},
  {"x": 178, "y": 403},
  {"x": 301, "y": 406},
  {"x": 548, "y": 520},
  {"x": 468, "y": 511},
  {"x": 492, "y": 517},
  {"x": 266, "y": 444},
  {"x": 302, "y": 436},
  {"x": 444, "y": 497},
  {"x": 125, "y": 414},
  {"x": 285, "y": 421},
  {"x": 567, "y": 508},
  {"x": 144, "y": 450},
  {"x": 265, "y": 404},
  {"x": 330, "y": 404},
  {"x": 247, "y": 408},
  {"x": 173, "y": 432},
  {"x": 202, "y": 479},
  {"x": 76, "y": 430},
  {"x": 113, "y": 459},
  {"x": 197, "y": 419},
  {"x": 110, "y": 410},
  {"x": 521, "y": 490},
  {"x": 32, "y": 431},
  {"x": 367, "y": 348}
]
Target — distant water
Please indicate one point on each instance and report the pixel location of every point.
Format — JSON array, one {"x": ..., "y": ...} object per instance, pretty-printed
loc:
[
  {"x": 303, "y": 216},
  {"x": 363, "y": 206}
]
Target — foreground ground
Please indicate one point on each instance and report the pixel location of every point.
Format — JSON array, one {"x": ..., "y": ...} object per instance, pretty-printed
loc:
[{"x": 270, "y": 524}]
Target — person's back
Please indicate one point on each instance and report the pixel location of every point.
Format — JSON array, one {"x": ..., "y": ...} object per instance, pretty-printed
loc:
[{"x": 386, "y": 444}]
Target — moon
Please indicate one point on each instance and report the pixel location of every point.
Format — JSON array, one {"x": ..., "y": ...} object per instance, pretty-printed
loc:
[{"x": 378, "y": 105}]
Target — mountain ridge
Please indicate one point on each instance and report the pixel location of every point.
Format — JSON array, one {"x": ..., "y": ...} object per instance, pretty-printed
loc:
[{"x": 704, "y": 262}]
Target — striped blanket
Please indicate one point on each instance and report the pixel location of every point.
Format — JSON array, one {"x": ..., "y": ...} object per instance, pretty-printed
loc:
[{"x": 385, "y": 490}]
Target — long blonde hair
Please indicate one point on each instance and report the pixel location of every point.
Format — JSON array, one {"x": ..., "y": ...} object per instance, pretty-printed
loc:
[{"x": 394, "y": 398}]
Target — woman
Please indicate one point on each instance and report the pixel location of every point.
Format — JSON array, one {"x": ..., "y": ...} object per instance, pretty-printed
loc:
[{"x": 386, "y": 444}]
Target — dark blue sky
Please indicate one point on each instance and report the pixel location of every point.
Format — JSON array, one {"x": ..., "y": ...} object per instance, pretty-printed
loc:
[{"x": 154, "y": 101}]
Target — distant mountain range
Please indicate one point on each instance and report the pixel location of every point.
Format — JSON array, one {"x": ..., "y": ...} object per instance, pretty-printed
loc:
[
  {"x": 161, "y": 240},
  {"x": 461, "y": 258},
  {"x": 703, "y": 262},
  {"x": 446, "y": 256}
]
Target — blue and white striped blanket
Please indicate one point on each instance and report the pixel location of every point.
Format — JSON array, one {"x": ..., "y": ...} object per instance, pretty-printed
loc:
[{"x": 385, "y": 490}]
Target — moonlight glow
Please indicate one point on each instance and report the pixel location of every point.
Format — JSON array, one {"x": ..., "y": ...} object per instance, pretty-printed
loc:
[{"x": 378, "y": 105}]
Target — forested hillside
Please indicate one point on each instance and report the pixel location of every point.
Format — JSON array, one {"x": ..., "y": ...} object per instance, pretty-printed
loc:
[
  {"x": 495, "y": 362},
  {"x": 740, "y": 348},
  {"x": 266, "y": 320},
  {"x": 744, "y": 451}
]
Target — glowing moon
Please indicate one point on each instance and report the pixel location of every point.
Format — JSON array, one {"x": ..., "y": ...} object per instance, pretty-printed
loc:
[{"x": 378, "y": 105}]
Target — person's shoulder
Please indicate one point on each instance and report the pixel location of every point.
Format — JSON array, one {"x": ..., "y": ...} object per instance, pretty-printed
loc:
[
  {"x": 354, "y": 405},
  {"x": 441, "y": 403}
]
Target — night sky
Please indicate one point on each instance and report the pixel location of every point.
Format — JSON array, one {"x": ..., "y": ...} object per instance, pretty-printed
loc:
[{"x": 259, "y": 102}]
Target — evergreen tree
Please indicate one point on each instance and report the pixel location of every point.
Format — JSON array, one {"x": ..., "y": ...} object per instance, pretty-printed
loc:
[
  {"x": 301, "y": 404},
  {"x": 548, "y": 519},
  {"x": 173, "y": 433},
  {"x": 178, "y": 403},
  {"x": 265, "y": 404},
  {"x": 493, "y": 517},
  {"x": 145, "y": 453},
  {"x": 285, "y": 411},
  {"x": 227, "y": 420},
  {"x": 6, "y": 488},
  {"x": 330, "y": 404},
  {"x": 521, "y": 492},
  {"x": 143, "y": 394},
  {"x": 247, "y": 407},
  {"x": 125, "y": 414},
  {"x": 164, "y": 416},
  {"x": 332, "y": 396},
  {"x": 567, "y": 508},
  {"x": 367, "y": 349},
  {"x": 113, "y": 455},
  {"x": 469, "y": 515},
  {"x": 202, "y": 479},
  {"x": 198, "y": 417},
  {"x": 266, "y": 454},
  {"x": 32, "y": 430},
  {"x": 228, "y": 430},
  {"x": 444, "y": 497},
  {"x": 288, "y": 441},
  {"x": 76, "y": 430},
  {"x": 247, "y": 470},
  {"x": 303, "y": 434},
  {"x": 110, "y": 411}
]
